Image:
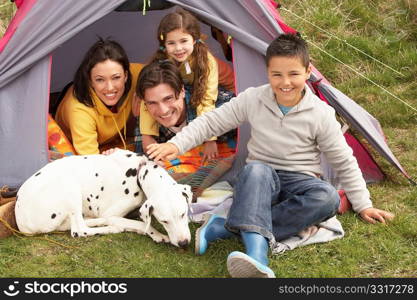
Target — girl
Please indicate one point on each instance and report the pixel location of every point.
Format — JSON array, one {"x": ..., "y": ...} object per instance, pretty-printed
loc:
[
  {"x": 95, "y": 110},
  {"x": 180, "y": 41}
]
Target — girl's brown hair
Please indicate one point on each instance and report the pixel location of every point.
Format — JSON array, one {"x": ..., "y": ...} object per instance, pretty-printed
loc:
[{"x": 184, "y": 20}]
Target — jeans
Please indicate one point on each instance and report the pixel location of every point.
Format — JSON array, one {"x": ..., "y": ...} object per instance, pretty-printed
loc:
[{"x": 279, "y": 204}]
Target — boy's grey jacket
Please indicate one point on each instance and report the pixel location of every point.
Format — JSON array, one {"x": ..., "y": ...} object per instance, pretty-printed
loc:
[{"x": 292, "y": 142}]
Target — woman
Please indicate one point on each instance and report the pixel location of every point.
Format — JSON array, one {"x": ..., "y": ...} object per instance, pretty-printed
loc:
[{"x": 94, "y": 112}]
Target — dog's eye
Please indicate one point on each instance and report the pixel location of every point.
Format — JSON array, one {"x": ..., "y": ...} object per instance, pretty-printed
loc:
[{"x": 166, "y": 222}]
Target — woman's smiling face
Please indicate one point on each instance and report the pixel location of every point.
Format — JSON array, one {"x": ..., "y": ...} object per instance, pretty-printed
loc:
[{"x": 108, "y": 81}]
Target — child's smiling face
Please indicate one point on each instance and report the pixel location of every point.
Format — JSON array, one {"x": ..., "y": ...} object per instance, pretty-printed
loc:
[
  {"x": 287, "y": 76},
  {"x": 179, "y": 45}
]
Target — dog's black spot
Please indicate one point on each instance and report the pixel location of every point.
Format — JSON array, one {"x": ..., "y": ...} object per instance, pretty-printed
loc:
[
  {"x": 137, "y": 154},
  {"x": 185, "y": 195},
  {"x": 160, "y": 176},
  {"x": 124, "y": 182},
  {"x": 102, "y": 188},
  {"x": 126, "y": 191},
  {"x": 85, "y": 157},
  {"x": 88, "y": 199},
  {"x": 53, "y": 216},
  {"x": 128, "y": 155},
  {"x": 75, "y": 234},
  {"x": 96, "y": 174},
  {"x": 144, "y": 175},
  {"x": 136, "y": 194},
  {"x": 146, "y": 205},
  {"x": 91, "y": 195},
  {"x": 85, "y": 233},
  {"x": 138, "y": 183},
  {"x": 37, "y": 173},
  {"x": 131, "y": 172},
  {"x": 83, "y": 215},
  {"x": 89, "y": 207},
  {"x": 97, "y": 197},
  {"x": 155, "y": 166}
]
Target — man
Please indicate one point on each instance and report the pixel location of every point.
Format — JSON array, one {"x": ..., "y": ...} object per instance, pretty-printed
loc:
[{"x": 167, "y": 100}]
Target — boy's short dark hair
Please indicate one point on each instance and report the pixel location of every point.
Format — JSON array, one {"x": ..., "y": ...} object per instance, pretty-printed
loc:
[
  {"x": 159, "y": 72},
  {"x": 289, "y": 45}
]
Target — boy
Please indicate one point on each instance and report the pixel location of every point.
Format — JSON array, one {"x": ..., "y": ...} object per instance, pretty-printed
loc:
[{"x": 278, "y": 193}]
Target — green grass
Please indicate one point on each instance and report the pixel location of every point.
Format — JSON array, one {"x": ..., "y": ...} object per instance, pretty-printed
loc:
[
  {"x": 7, "y": 10},
  {"x": 383, "y": 29}
]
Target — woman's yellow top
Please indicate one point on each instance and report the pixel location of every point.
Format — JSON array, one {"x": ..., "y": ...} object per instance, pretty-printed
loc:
[{"x": 88, "y": 128}]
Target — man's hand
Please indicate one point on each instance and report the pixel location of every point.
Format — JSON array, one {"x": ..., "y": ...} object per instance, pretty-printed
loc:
[
  {"x": 109, "y": 151},
  {"x": 164, "y": 151},
  {"x": 210, "y": 150},
  {"x": 372, "y": 215}
]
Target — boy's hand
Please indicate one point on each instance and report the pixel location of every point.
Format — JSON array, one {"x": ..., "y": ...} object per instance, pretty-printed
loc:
[
  {"x": 371, "y": 215},
  {"x": 210, "y": 150},
  {"x": 164, "y": 151}
]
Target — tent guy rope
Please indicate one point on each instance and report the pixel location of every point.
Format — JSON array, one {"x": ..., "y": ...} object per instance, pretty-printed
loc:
[
  {"x": 360, "y": 74},
  {"x": 344, "y": 41},
  {"x": 346, "y": 65}
]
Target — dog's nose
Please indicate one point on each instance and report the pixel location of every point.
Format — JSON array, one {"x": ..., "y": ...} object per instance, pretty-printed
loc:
[{"x": 183, "y": 244}]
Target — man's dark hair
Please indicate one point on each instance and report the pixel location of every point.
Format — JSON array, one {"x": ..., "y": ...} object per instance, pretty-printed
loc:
[
  {"x": 158, "y": 72},
  {"x": 289, "y": 45}
]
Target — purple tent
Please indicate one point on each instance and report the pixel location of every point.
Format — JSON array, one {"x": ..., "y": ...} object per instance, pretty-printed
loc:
[{"x": 46, "y": 40}]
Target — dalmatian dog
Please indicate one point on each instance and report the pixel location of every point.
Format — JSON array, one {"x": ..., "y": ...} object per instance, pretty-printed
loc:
[{"x": 92, "y": 194}]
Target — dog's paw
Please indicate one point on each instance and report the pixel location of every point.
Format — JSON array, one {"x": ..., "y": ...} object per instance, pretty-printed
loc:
[
  {"x": 76, "y": 234},
  {"x": 158, "y": 237}
]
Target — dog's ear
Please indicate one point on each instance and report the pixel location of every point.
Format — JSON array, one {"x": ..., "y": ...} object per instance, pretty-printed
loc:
[
  {"x": 142, "y": 161},
  {"x": 145, "y": 213},
  {"x": 186, "y": 192}
]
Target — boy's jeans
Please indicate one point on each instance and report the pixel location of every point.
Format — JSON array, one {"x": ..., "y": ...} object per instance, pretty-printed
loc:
[{"x": 279, "y": 204}]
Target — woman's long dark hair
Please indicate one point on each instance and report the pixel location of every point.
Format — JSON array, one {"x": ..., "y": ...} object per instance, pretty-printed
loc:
[{"x": 101, "y": 51}]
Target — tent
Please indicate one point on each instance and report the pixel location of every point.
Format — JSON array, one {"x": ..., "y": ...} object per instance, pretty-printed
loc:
[{"x": 46, "y": 40}]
